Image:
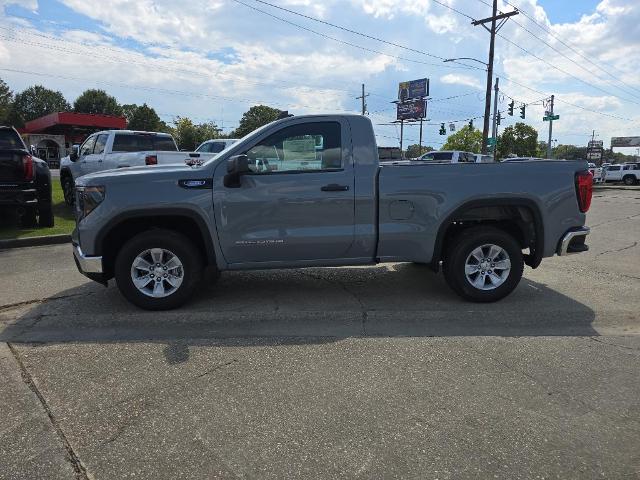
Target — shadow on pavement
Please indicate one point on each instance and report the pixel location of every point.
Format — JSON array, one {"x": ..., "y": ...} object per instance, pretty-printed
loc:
[{"x": 300, "y": 307}]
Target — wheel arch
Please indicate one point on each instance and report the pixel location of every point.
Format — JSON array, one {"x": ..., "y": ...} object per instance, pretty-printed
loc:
[
  {"x": 126, "y": 225},
  {"x": 510, "y": 214}
]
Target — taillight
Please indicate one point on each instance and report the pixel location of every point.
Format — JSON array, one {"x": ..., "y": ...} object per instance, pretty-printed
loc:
[
  {"x": 27, "y": 167},
  {"x": 151, "y": 160},
  {"x": 584, "y": 190}
]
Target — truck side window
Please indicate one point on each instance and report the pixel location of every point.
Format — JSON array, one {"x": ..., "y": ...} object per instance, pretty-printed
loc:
[
  {"x": 101, "y": 142},
  {"x": 132, "y": 142},
  {"x": 87, "y": 146},
  {"x": 300, "y": 148}
]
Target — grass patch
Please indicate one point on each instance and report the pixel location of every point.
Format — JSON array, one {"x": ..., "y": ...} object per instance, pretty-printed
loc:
[{"x": 64, "y": 221}]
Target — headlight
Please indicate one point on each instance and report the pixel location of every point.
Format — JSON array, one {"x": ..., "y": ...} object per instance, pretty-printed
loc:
[{"x": 87, "y": 199}]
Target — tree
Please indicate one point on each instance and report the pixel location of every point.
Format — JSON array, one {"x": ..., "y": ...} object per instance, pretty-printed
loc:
[
  {"x": 6, "y": 98},
  {"x": 256, "y": 117},
  {"x": 414, "y": 151},
  {"x": 145, "y": 118},
  {"x": 466, "y": 139},
  {"x": 35, "y": 102},
  {"x": 128, "y": 110},
  {"x": 519, "y": 139},
  {"x": 97, "y": 101},
  {"x": 189, "y": 135}
]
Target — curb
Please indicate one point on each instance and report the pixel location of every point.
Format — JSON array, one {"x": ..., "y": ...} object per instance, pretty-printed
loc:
[
  {"x": 616, "y": 187},
  {"x": 35, "y": 241}
]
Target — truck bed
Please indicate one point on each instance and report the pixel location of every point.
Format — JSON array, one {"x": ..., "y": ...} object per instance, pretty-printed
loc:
[{"x": 416, "y": 198}]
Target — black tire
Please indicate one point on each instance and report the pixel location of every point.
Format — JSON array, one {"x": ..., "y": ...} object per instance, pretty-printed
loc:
[
  {"x": 629, "y": 180},
  {"x": 45, "y": 216},
  {"x": 68, "y": 189},
  {"x": 174, "y": 242},
  {"x": 29, "y": 218},
  {"x": 461, "y": 248}
]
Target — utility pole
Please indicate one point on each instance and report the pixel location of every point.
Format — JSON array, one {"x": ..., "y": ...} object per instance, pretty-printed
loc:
[
  {"x": 364, "y": 103},
  {"x": 420, "y": 144},
  {"x": 494, "y": 133},
  {"x": 550, "y": 115},
  {"x": 495, "y": 27},
  {"x": 401, "y": 137}
]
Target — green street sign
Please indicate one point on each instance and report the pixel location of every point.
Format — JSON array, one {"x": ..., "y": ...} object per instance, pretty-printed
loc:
[
  {"x": 554, "y": 117},
  {"x": 491, "y": 141}
]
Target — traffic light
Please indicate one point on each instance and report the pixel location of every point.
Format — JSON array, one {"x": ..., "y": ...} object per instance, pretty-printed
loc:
[
  {"x": 511, "y": 105},
  {"x": 498, "y": 118},
  {"x": 522, "y": 109},
  {"x": 443, "y": 131},
  {"x": 471, "y": 124}
]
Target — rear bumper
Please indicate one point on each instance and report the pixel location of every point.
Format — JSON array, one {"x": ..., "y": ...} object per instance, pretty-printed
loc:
[
  {"x": 18, "y": 197},
  {"x": 90, "y": 267},
  {"x": 573, "y": 241}
]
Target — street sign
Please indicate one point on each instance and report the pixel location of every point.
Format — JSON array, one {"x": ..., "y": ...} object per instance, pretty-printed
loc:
[
  {"x": 491, "y": 141},
  {"x": 625, "y": 142},
  {"x": 554, "y": 117},
  {"x": 412, "y": 110},
  {"x": 413, "y": 89}
]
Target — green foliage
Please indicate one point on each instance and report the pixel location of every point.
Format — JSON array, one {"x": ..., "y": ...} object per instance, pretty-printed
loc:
[
  {"x": 145, "y": 118},
  {"x": 128, "y": 110},
  {"x": 466, "y": 139},
  {"x": 519, "y": 139},
  {"x": 35, "y": 102},
  {"x": 255, "y": 117},
  {"x": 189, "y": 135},
  {"x": 97, "y": 101},
  {"x": 6, "y": 99},
  {"x": 414, "y": 151}
]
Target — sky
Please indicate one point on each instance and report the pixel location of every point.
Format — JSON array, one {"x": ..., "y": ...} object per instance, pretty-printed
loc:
[{"x": 211, "y": 60}]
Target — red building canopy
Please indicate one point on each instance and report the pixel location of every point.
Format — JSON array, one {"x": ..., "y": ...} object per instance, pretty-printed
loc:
[{"x": 71, "y": 123}]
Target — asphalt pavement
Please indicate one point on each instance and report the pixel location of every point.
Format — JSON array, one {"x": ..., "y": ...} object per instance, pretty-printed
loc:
[{"x": 372, "y": 372}]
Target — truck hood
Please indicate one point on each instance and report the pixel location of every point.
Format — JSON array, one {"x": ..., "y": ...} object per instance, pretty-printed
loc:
[{"x": 146, "y": 174}]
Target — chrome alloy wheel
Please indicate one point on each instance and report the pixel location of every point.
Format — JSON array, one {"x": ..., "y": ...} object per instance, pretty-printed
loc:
[
  {"x": 487, "y": 267},
  {"x": 157, "y": 272}
]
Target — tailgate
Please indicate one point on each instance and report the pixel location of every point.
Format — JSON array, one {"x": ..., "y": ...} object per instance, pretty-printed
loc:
[{"x": 11, "y": 167}]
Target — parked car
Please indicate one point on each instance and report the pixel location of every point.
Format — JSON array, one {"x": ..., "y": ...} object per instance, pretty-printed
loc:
[
  {"x": 629, "y": 174},
  {"x": 111, "y": 149},
  {"x": 215, "y": 146},
  {"x": 480, "y": 158},
  {"x": 449, "y": 156},
  {"x": 309, "y": 191},
  {"x": 597, "y": 172},
  {"x": 25, "y": 181}
]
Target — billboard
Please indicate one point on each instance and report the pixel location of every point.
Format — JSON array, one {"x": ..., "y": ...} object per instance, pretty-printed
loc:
[
  {"x": 625, "y": 142},
  {"x": 412, "y": 110},
  {"x": 413, "y": 89}
]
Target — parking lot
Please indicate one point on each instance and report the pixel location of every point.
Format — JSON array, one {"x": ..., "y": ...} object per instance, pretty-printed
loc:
[{"x": 376, "y": 372}]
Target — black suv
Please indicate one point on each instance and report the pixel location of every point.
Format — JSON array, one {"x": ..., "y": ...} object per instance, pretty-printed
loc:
[{"x": 25, "y": 181}]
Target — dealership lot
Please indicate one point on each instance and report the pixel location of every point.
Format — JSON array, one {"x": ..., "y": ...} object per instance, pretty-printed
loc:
[{"x": 375, "y": 372}]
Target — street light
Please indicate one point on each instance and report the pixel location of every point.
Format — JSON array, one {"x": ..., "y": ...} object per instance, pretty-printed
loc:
[{"x": 467, "y": 58}]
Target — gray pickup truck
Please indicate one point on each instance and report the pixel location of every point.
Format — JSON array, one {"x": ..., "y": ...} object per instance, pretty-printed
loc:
[{"x": 309, "y": 191}]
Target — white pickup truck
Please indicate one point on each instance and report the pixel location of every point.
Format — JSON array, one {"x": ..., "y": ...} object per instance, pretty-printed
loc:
[
  {"x": 111, "y": 149},
  {"x": 629, "y": 173}
]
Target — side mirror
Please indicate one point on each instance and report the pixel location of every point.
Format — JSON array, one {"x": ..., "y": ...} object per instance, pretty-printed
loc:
[
  {"x": 75, "y": 153},
  {"x": 236, "y": 167}
]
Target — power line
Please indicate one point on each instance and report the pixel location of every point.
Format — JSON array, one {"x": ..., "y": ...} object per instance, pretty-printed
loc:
[
  {"x": 354, "y": 32},
  {"x": 570, "y": 47}
]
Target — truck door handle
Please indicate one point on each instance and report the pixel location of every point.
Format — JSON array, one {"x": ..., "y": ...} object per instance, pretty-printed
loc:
[{"x": 334, "y": 187}]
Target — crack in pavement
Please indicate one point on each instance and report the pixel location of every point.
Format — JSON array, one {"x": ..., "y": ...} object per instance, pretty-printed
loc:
[
  {"x": 10, "y": 306},
  {"x": 615, "y": 220},
  {"x": 619, "y": 249},
  {"x": 72, "y": 457},
  {"x": 595, "y": 339}
]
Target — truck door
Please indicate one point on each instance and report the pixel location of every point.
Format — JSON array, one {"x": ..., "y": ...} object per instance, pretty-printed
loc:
[
  {"x": 97, "y": 159},
  {"x": 297, "y": 204},
  {"x": 84, "y": 160}
]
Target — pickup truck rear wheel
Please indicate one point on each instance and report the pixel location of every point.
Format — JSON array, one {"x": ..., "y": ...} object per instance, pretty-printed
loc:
[
  {"x": 158, "y": 269},
  {"x": 629, "y": 180},
  {"x": 484, "y": 264}
]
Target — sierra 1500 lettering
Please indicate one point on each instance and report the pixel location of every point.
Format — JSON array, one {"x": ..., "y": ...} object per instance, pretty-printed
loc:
[{"x": 309, "y": 191}]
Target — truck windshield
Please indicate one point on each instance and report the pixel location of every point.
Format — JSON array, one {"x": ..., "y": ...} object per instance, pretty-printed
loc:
[
  {"x": 437, "y": 157},
  {"x": 10, "y": 140}
]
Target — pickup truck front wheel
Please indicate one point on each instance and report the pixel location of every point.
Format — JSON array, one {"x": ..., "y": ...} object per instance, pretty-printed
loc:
[
  {"x": 484, "y": 264},
  {"x": 158, "y": 269}
]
